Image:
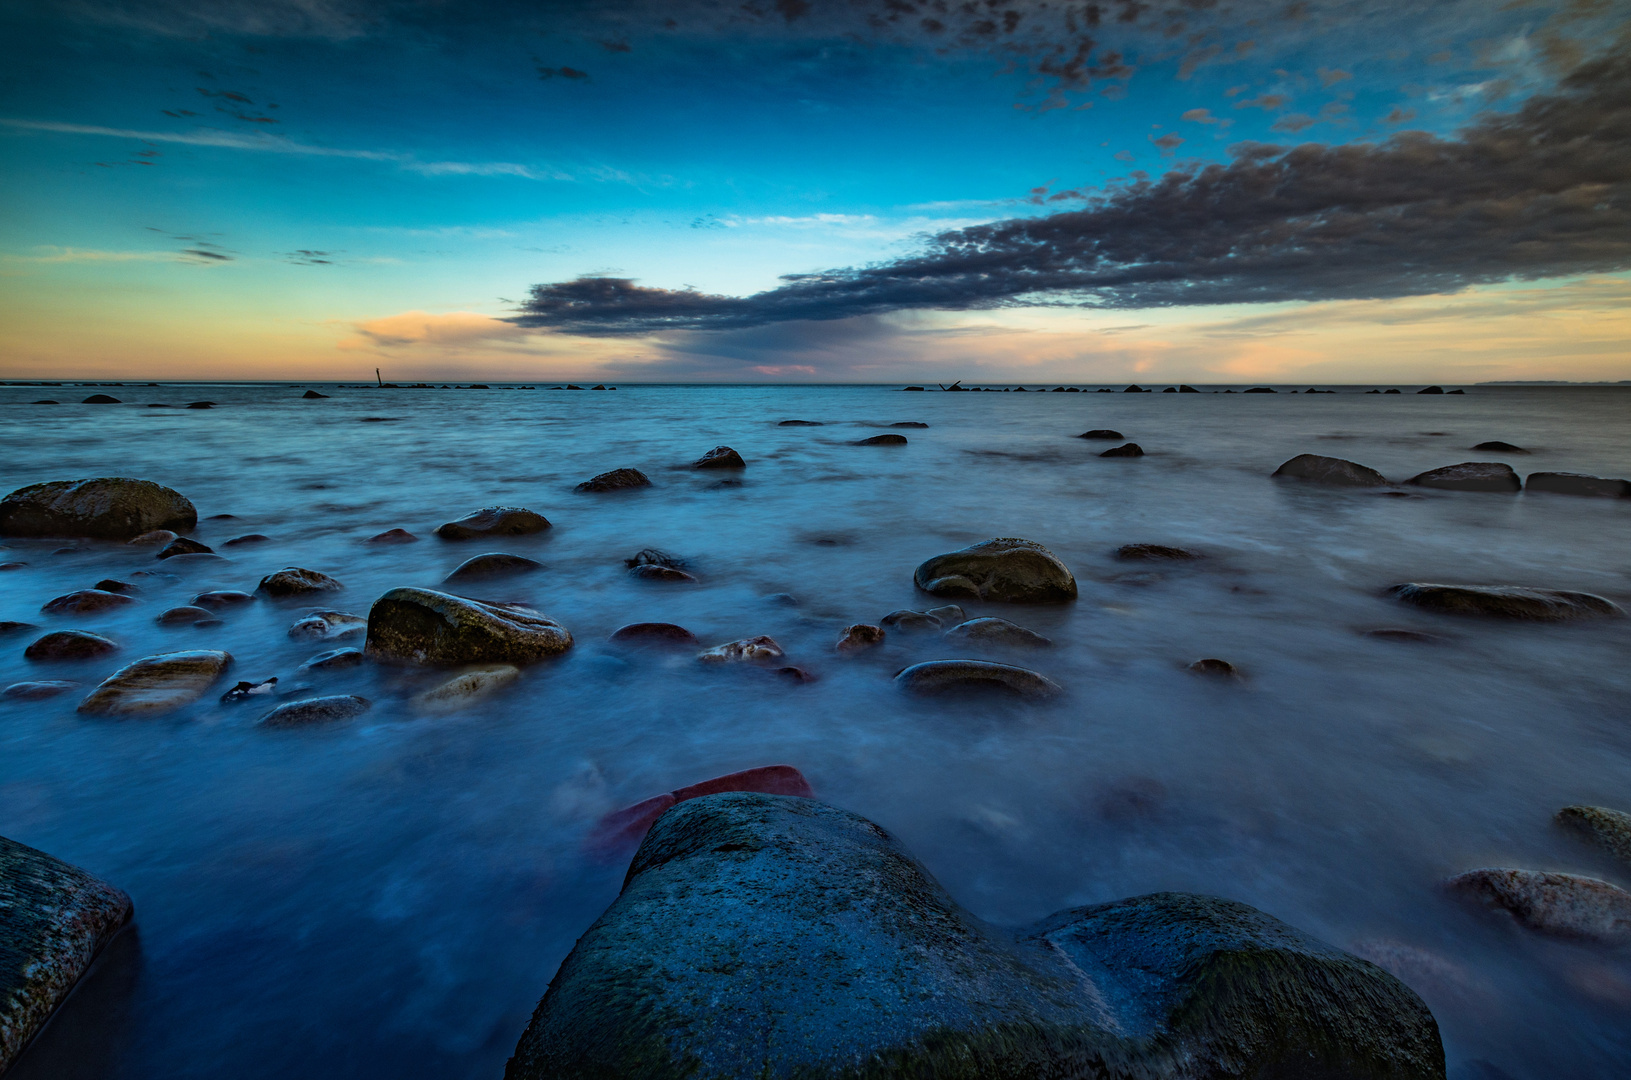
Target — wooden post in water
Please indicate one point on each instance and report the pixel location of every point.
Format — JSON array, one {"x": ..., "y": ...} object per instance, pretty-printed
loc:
[{"x": 377, "y": 378}]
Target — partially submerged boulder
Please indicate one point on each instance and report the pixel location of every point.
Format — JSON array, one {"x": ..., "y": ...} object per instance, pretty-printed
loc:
[
  {"x": 1608, "y": 829},
  {"x": 466, "y": 688},
  {"x": 297, "y": 581},
  {"x": 654, "y": 633},
  {"x": 1470, "y": 476},
  {"x": 1505, "y": 601},
  {"x": 1005, "y": 569},
  {"x": 1000, "y": 632},
  {"x": 1568, "y": 483},
  {"x": 70, "y": 645},
  {"x": 85, "y": 602},
  {"x": 425, "y": 627},
  {"x": 771, "y": 936},
  {"x": 319, "y": 710},
  {"x": 1131, "y": 449},
  {"x": 182, "y": 545},
  {"x": 720, "y": 457},
  {"x": 1500, "y": 447},
  {"x": 941, "y": 676},
  {"x": 327, "y": 625},
  {"x": 1568, "y": 905},
  {"x": 37, "y": 690},
  {"x": 859, "y": 637},
  {"x": 492, "y": 564},
  {"x": 883, "y": 440},
  {"x": 616, "y": 480},
  {"x": 1329, "y": 470},
  {"x": 1155, "y": 553},
  {"x": 1101, "y": 433},
  {"x": 756, "y": 650},
  {"x": 488, "y": 521},
  {"x": 106, "y": 508},
  {"x": 54, "y": 919},
  {"x": 157, "y": 684}
]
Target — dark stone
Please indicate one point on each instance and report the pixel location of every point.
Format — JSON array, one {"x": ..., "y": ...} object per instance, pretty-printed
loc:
[
  {"x": 1261, "y": 390},
  {"x": 655, "y": 572},
  {"x": 1153, "y": 552},
  {"x": 903, "y": 388},
  {"x": 940, "y": 676},
  {"x": 425, "y": 627},
  {"x": 753, "y": 650},
  {"x": 1470, "y": 476},
  {"x": 47, "y": 401},
  {"x": 155, "y": 537},
  {"x": 1455, "y": 391},
  {"x": 883, "y": 440},
  {"x": 720, "y": 457},
  {"x": 247, "y": 538},
  {"x": 394, "y": 536},
  {"x": 858, "y": 637},
  {"x": 85, "y": 601},
  {"x": 1432, "y": 390},
  {"x": 54, "y": 920},
  {"x": 107, "y": 508},
  {"x": 616, "y": 480},
  {"x": 1215, "y": 667},
  {"x": 629, "y": 825},
  {"x": 246, "y": 691},
  {"x": 38, "y": 690},
  {"x": 771, "y": 936},
  {"x": 654, "y": 633},
  {"x": 312, "y": 395},
  {"x": 1101, "y": 433},
  {"x": 223, "y": 598},
  {"x": 654, "y": 557},
  {"x": 183, "y": 546},
  {"x": 190, "y": 615},
  {"x": 334, "y": 660},
  {"x": 70, "y": 645},
  {"x": 295, "y": 581},
  {"x": 1505, "y": 601},
  {"x": 1187, "y": 389},
  {"x": 906, "y": 619},
  {"x": 13, "y": 565},
  {"x": 1500, "y": 447},
  {"x": 1135, "y": 389},
  {"x": 322, "y": 625},
  {"x": 991, "y": 631},
  {"x": 492, "y": 564},
  {"x": 1003, "y": 569},
  {"x": 108, "y": 584},
  {"x": 101, "y": 399},
  {"x": 1608, "y": 829},
  {"x": 320, "y": 710},
  {"x": 1330, "y": 470},
  {"x": 795, "y": 674},
  {"x": 1394, "y": 633},
  {"x": 1562, "y": 483},
  {"x": 157, "y": 684},
  {"x": 489, "y": 521},
  {"x": 805, "y": 423},
  {"x": 909, "y": 424},
  {"x": 201, "y": 405},
  {"x": 1131, "y": 449}
]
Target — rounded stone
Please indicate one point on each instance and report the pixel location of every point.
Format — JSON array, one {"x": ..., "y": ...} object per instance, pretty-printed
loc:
[
  {"x": 1131, "y": 449},
  {"x": 106, "y": 508},
  {"x": 1564, "y": 483},
  {"x": 658, "y": 572},
  {"x": 1470, "y": 476},
  {"x": 492, "y": 564},
  {"x": 1215, "y": 668},
  {"x": 334, "y": 660},
  {"x": 466, "y": 688},
  {"x": 1337, "y": 472},
  {"x": 223, "y": 598},
  {"x": 1500, "y": 447},
  {"x": 655, "y": 633},
  {"x": 85, "y": 602},
  {"x": 38, "y": 690},
  {"x": 247, "y": 538},
  {"x": 295, "y": 581},
  {"x": 1101, "y": 433},
  {"x": 156, "y": 536},
  {"x": 757, "y": 650},
  {"x": 883, "y": 440},
  {"x": 1608, "y": 829},
  {"x": 1155, "y": 552},
  {"x": 616, "y": 480},
  {"x": 1003, "y": 569},
  {"x": 70, "y": 645},
  {"x": 909, "y": 620},
  {"x": 320, "y": 625},
  {"x": 992, "y": 631},
  {"x": 859, "y": 637},
  {"x": 1568, "y": 905},
  {"x": 941, "y": 676},
  {"x": 486, "y": 522},
  {"x": 393, "y": 536},
  {"x": 177, "y": 616},
  {"x": 157, "y": 684},
  {"x": 1506, "y": 601},
  {"x": 426, "y": 627},
  {"x": 720, "y": 457},
  {"x": 181, "y": 545},
  {"x": 319, "y": 710}
]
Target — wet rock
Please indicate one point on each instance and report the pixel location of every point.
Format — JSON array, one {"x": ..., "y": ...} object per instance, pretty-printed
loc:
[
  {"x": 38, "y": 690},
  {"x": 12, "y": 626},
  {"x": 1500, "y": 447},
  {"x": 13, "y": 565},
  {"x": 654, "y": 633},
  {"x": 756, "y": 650},
  {"x": 157, "y": 684},
  {"x": 466, "y": 688},
  {"x": 654, "y": 557},
  {"x": 940, "y": 676},
  {"x": 909, "y": 620},
  {"x": 248, "y": 691},
  {"x": 221, "y": 599},
  {"x": 183, "y": 546},
  {"x": 200, "y": 405},
  {"x": 54, "y": 919},
  {"x": 1608, "y": 829},
  {"x": 616, "y": 480},
  {"x": 325, "y": 625},
  {"x": 319, "y": 710},
  {"x": 101, "y": 399},
  {"x": 720, "y": 457},
  {"x": 1131, "y": 449},
  {"x": 883, "y": 440},
  {"x": 1003, "y": 569},
  {"x": 492, "y": 564},
  {"x": 1470, "y": 476},
  {"x": 1155, "y": 552},
  {"x": 1505, "y": 601},
  {"x": 1215, "y": 668},
  {"x": 334, "y": 660},
  {"x": 1101, "y": 433},
  {"x": 247, "y": 538},
  {"x": 1563, "y": 483},
  {"x": 1394, "y": 633},
  {"x": 795, "y": 674},
  {"x": 629, "y": 825},
  {"x": 948, "y": 614},
  {"x": 991, "y": 631},
  {"x": 909, "y": 424},
  {"x": 1568, "y": 905},
  {"x": 1431, "y": 390},
  {"x": 115, "y": 585},
  {"x": 295, "y": 581},
  {"x": 312, "y": 395},
  {"x": 486, "y": 522},
  {"x": 801, "y": 423},
  {"x": 86, "y": 601},
  {"x": 1262, "y": 390},
  {"x": 653, "y": 572},
  {"x": 106, "y": 508},
  {"x": 188, "y": 615},
  {"x": 1329, "y": 470},
  {"x": 425, "y": 627},
  {"x": 858, "y": 637},
  {"x": 769, "y": 936},
  {"x": 156, "y": 536},
  {"x": 393, "y": 536}
]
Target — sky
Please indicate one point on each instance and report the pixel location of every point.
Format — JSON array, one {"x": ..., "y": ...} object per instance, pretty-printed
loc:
[{"x": 1319, "y": 191}]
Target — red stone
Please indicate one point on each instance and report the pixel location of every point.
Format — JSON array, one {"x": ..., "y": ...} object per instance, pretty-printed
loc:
[{"x": 628, "y": 826}]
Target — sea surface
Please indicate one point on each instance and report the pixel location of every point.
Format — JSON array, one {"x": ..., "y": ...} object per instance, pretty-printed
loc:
[{"x": 390, "y": 896}]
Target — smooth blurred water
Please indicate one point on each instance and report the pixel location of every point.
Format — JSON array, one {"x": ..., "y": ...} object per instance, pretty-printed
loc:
[{"x": 391, "y": 895}]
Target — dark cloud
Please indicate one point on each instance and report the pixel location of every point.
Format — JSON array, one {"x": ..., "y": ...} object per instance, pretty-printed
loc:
[{"x": 1538, "y": 192}]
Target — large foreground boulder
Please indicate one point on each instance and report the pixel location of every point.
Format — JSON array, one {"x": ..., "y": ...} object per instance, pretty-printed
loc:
[
  {"x": 425, "y": 627},
  {"x": 1329, "y": 470},
  {"x": 106, "y": 508},
  {"x": 765, "y": 936},
  {"x": 1017, "y": 571},
  {"x": 54, "y": 919},
  {"x": 157, "y": 684},
  {"x": 1505, "y": 601}
]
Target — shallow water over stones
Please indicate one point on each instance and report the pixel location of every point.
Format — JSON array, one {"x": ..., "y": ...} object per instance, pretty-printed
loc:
[{"x": 391, "y": 894}]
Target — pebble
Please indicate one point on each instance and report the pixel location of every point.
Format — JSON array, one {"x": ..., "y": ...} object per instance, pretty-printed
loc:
[
  {"x": 940, "y": 676},
  {"x": 755, "y": 649},
  {"x": 858, "y": 637},
  {"x": 1568, "y": 905},
  {"x": 295, "y": 581},
  {"x": 319, "y": 710}
]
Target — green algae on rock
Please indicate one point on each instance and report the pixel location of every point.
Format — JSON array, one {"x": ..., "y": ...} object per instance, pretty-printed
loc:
[{"x": 422, "y": 626}]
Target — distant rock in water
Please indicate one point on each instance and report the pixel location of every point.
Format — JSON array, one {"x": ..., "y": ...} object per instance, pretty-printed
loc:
[
  {"x": 115, "y": 585},
  {"x": 1500, "y": 447},
  {"x": 223, "y": 598},
  {"x": 247, "y": 538},
  {"x": 909, "y": 424},
  {"x": 1563, "y": 483},
  {"x": 1262, "y": 390},
  {"x": 54, "y": 920},
  {"x": 295, "y": 581},
  {"x": 1101, "y": 433},
  {"x": 908, "y": 620},
  {"x": 1608, "y": 829},
  {"x": 181, "y": 545},
  {"x": 70, "y": 645},
  {"x": 157, "y": 684},
  {"x": 492, "y": 564},
  {"x": 107, "y": 508},
  {"x": 101, "y": 399},
  {"x": 1431, "y": 390},
  {"x": 1505, "y": 601},
  {"x": 1131, "y": 449},
  {"x": 393, "y": 536},
  {"x": 312, "y": 395},
  {"x": 1004, "y": 569},
  {"x": 883, "y": 440},
  {"x": 85, "y": 602},
  {"x": 801, "y": 423},
  {"x": 616, "y": 480},
  {"x": 1393, "y": 633},
  {"x": 859, "y": 637},
  {"x": 1155, "y": 553},
  {"x": 201, "y": 405},
  {"x": 654, "y": 633},
  {"x": 184, "y": 616},
  {"x": 992, "y": 631},
  {"x": 720, "y": 457},
  {"x": 1329, "y": 470},
  {"x": 156, "y": 537},
  {"x": 1568, "y": 905},
  {"x": 320, "y": 710},
  {"x": 487, "y": 522},
  {"x": 1216, "y": 668},
  {"x": 941, "y": 676},
  {"x": 1470, "y": 476},
  {"x": 425, "y": 627},
  {"x": 776, "y": 936}
]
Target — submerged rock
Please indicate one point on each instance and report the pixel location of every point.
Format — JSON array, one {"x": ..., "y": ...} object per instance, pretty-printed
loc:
[
  {"x": 948, "y": 614},
  {"x": 466, "y": 688},
  {"x": 939, "y": 676},
  {"x": 765, "y": 936},
  {"x": 486, "y": 522},
  {"x": 1329, "y": 470},
  {"x": 1608, "y": 829},
  {"x": 324, "y": 625},
  {"x": 106, "y": 508},
  {"x": 37, "y": 690},
  {"x": 883, "y": 440},
  {"x": 54, "y": 919},
  {"x": 86, "y": 601},
  {"x": 181, "y": 545},
  {"x": 247, "y": 538},
  {"x": 425, "y": 627},
  {"x": 295, "y": 581},
  {"x": 1566, "y": 483},
  {"x": 320, "y": 710},
  {"x": 1003, "y": 569},
  {"x": 334, "y": 660},
  {"x": 1569, "y": 905},
  {"x": 616, "y": 480},
  {"x": 189, "y": 615},
  {"x": 312, "y": 395},
  {"x": 1470, "y": 476},
  {"x": 223, "y": 598},
  {"x": 909, "y": 424},
  {"x": 115, "y": 585},
  {"x": 1395, "y": 633},
  {"x": 492, "y": 564},
  {"x": 990, "y": 631},
  {"x": 1154, "y": 552},
  {"x": 1505, "y": 601},
  {"x": 1131, "y": 449},
  {"x": 630, "y": 824},
  {"x": 720, "y": 457},
  {"x": 1101, "y": 433},
  {"x": 658, "y": 572},
  {"x": 1500, "y": 447},
  {"x": 801, "y": 423},
  {"x": 394, "y": 536},
  {"x": 157, "y": 684},
  {"x": 70, "y": 645},
  {"x": 1216, "y": 668},
  {"x": 858, "y": 637},
  {"x": 756, "y": 650},
  {"x": 908, "y": 620},
  {"x": 655, "y": 633},
  {"x": 156, "y": 536}
]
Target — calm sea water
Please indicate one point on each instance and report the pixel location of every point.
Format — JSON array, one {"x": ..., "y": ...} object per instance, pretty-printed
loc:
[{"x": 391, "y": 895}]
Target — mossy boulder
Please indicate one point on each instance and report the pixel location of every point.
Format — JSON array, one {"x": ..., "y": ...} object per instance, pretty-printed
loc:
[
  {"x": 1007, "y": 569},
  {"x": 422, "y": 626},
  {"x": 105, "y": 508},
  {"x": 770, "y": 936}
]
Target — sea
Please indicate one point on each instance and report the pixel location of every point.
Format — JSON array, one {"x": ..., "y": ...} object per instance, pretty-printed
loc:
[{"x": 390, "y": 895}]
